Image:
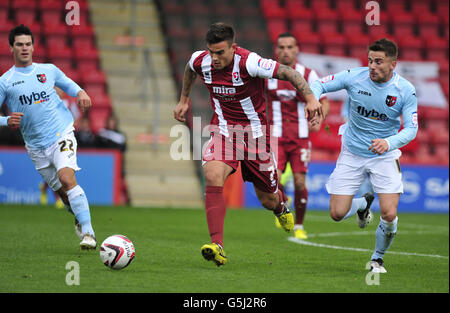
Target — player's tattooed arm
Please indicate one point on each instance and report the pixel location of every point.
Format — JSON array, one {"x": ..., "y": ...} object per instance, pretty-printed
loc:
[
  {"x": 297, "y": 80},
  {"x": 183, "y": 105},
  {"x": 188, "y": 80},
  {"x": 313, "y": 106}
]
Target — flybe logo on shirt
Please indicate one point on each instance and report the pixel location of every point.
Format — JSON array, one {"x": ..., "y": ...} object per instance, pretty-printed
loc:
[
  {"x": 34, "y": 98},
  {"x": 372, "y": 114}
]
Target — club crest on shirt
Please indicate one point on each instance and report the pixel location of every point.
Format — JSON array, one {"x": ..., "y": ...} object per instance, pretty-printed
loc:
[
  {"x": 236, "y": 76},
  {"x": 391, "y": 101},
  {"x": 41, "y": 78}
]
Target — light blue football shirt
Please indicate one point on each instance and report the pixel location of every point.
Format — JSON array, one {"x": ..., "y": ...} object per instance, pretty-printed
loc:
[
  {"x": 30, "y": 90},
  {"x": 374, "y": 109}
]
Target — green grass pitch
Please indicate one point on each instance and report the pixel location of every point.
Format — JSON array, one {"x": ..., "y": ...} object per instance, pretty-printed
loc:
[{"x": 38, "y": 242}]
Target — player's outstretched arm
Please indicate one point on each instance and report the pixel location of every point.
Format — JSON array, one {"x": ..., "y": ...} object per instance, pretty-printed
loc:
[
  {"x": 313, "y": 106},
  {"x": 183, "y": 105}
]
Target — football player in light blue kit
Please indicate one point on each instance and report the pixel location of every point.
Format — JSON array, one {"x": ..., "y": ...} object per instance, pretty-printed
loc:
[
  {"x": 47, "y": 125},
  {"x": 378, "y": 97}
]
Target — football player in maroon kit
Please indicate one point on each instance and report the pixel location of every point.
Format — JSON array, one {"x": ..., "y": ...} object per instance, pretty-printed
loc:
[
  {"x": 235, "y": 80},
  {"x": 290, "y": 126}
]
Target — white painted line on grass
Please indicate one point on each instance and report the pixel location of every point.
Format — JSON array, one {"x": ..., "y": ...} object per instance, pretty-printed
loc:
[{"x": 321, "y": 245}]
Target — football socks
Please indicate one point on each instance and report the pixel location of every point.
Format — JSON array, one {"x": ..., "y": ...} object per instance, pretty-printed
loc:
[
  {"x": 80, "y": 207},
  {"x": 384, "y": 236},
  {"x": 215, "y": 212},
  {"x": 357, "y": 204}
]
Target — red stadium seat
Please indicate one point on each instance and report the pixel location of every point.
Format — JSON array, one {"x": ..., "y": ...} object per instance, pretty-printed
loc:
[
  {"x": 51, "y": 5},
  {"x": 4, "y": 47},
  {"x": 440, "y": 137},
  {"x": 82, "y": 30},
  {"x": 420, "y": 7},
  {"x": 378, "y": 31},
  {"x": 85, "y": 50},
  {"x": 25, "y": 17},
  {"x": 6, "y": 26},
  {"x": 297, "y": 11},
  {"x": 101, "y": 101},
  {"x": 301, "y": 26},
  {"x": 326, "y": 21},
  {"x": 93, "y": 77},
  {"x": 23, "y": 4},
  {"x": 346, "y": 5},
  {"x": 403, "y": 24},
  {"x": 428, "y": 25},
  {"x": 433, "y": 113},
  {"x": 87, "y": 65},
  {"x": 4, "y": 14},
  {"x": 308, "y": 42},
  {"x": 436, "y": 48},
  {"x": 72, "y": 74},
  {"x": 357, "y": 46},
  {"x": 275, "y": 27},
  {"x": 97, "y": 118},
  {"x": 441, "y": 152},
  {"x": 272, "y": 9},
  {"x": 318, "y": 5},
  {"x": 334, "y": 44},
  {"x": 395, "y": 6},
  {"x": 410, "y": 48},
  {"x": 58, "y": 52},
  {"x": 40, "y": 53},
  {"x": 352, "y": 22}
]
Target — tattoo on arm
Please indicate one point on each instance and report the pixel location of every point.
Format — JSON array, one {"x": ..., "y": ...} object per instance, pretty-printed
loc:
[
  {"x": 296, "y": 79},
  {"x": 188, "y": 80}
]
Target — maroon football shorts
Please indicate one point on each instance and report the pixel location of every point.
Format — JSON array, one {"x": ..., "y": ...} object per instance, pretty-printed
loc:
[
  {"x": 295, "y": 151},
  {"x": 258, "y": 164}
]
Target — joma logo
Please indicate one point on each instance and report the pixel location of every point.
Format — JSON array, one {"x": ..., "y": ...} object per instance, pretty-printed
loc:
[{"x": 224, "y": 90}]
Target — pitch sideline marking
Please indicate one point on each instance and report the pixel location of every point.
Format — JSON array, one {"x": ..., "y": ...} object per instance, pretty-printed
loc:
[{"x": 321, "y": 245}]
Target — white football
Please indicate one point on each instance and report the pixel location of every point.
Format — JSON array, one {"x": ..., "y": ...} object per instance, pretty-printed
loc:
[{"x": 117, "y": 252}]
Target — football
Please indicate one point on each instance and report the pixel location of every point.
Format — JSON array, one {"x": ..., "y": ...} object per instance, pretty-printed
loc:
[{"x": 117, "y": 252}]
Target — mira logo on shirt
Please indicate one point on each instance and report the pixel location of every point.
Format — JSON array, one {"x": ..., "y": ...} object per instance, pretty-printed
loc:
[
  {"x": 372, "y": 114},
  {"x": 34, "y": 98},
  {"x": 224, "y": 90}
]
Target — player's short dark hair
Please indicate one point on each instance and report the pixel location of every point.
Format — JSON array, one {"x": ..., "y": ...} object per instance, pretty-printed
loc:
[
  {"x": 17, "y": 31},
  {"x": 286, "y": 35},
  {"x": 219, "y": 32},
  {"x": 386, "y": 45}
]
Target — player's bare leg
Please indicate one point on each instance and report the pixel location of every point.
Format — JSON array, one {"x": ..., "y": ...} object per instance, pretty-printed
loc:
[
  {"x": 386, "y": 230},
  {"x": 79, "y": 205},
  {"x": 339, "y": 206}
]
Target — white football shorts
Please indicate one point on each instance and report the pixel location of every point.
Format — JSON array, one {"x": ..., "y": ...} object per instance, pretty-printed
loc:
[
  {"x": 384, "y": 173},
  {"x": 63, "y": 153}
]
